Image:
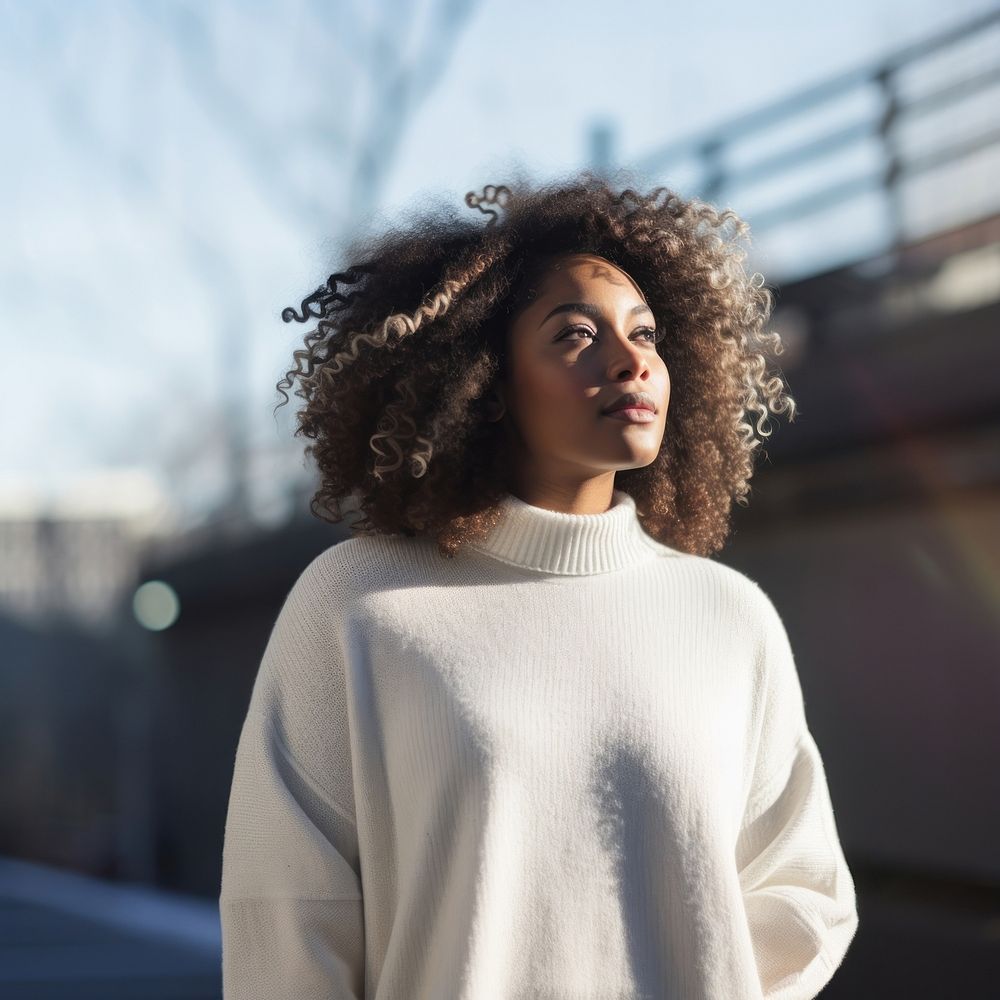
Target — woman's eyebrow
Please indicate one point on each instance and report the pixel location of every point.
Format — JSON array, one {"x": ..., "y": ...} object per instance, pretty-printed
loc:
[{"x": 590, "y": 310}]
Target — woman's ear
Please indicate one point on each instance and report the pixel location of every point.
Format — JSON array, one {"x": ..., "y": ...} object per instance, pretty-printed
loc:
[{"x": 495, "y": 406}]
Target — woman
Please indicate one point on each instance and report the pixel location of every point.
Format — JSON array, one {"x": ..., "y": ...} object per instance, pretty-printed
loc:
[{"x": 519, "y": 736}]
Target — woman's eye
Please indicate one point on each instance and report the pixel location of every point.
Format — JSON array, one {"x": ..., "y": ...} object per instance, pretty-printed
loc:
[
  {"x": 576, "y": 329},
  {"x": 653, "y": 336}
]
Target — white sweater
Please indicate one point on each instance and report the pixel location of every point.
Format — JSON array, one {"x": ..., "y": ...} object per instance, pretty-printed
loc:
[{"x": 571, "y": 763}]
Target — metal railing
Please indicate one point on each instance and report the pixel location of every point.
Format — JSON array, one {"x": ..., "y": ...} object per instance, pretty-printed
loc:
[{"x": 718, "y": 175}]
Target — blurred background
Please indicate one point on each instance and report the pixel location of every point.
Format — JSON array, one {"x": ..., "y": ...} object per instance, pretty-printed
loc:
[{"x": 176, "y": 173}]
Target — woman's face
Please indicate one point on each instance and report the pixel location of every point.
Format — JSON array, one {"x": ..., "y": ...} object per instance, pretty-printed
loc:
[{"x": 587, "y": 338}]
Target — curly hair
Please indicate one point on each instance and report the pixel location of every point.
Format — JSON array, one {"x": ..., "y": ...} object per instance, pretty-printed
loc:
[{"x": 411, "y": 339}]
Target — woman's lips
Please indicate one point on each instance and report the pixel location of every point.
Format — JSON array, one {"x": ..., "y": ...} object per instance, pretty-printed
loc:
[{"x": 633, "y": 415}]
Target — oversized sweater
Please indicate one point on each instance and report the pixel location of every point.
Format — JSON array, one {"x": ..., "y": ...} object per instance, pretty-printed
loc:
[{"x": 571, "y": 763}]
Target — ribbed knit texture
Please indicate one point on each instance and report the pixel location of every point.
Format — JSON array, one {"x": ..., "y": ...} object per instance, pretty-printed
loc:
[{"x": 571, "y": 763}]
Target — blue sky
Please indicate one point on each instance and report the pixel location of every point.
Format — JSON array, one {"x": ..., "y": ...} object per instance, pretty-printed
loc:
[
  {"x": 118, "y": 346},
  {"x": 530, "y": 76}
]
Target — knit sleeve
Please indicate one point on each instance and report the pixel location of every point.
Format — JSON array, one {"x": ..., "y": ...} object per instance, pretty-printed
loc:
[
  {"x": 798, "y": 892},
  {"x": 290, "y": 904}
]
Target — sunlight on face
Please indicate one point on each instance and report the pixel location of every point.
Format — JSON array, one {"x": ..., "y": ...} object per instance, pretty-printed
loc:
[{"x": 588, "y": 337}]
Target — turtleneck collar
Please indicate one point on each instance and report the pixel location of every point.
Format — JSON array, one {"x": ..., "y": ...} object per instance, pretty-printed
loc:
[{"x": 550, "y": 541}]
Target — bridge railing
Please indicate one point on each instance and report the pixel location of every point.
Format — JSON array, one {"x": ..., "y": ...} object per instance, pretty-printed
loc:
[{"x": 875, "y": 150}]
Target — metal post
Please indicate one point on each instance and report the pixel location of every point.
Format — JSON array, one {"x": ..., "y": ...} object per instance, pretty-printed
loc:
[
  {"x": 602, "y": 142},
  {"x": 886, "y": 79}
]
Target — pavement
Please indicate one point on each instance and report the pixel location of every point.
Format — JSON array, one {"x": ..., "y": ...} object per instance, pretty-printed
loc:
[{"x": 66, "y": 935}]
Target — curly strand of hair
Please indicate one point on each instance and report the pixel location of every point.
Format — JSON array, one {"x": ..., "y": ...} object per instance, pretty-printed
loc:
[
  {"x": 435, "y": 305},
  {"x": 322, "y": 303},
  {"x": 395, "y": 414},
  {"x": 300, "y": 356},
  {"x": 389, "y": 425},
  {"x": 492, "y": 195},
  {"x": 402, "y": 324},
  {"x": 326, "y": 295}
]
